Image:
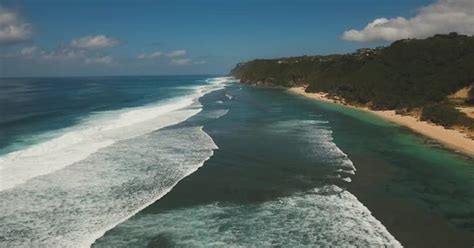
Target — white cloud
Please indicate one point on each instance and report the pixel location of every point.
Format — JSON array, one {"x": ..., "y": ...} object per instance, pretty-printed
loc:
[
  {"x": 60, "y": 54},
  {"x": 34, "y": 52},
  {"x": 94, "y": 42},
  {"x": 105, "y": 60},
  {"x": 12, "y": 29},
  {"x": 152, "y": 55},
  {"x": 176, "y": 57},
  {"x": 64, "y": 54},
  {"x": 176, "y": 53},
  {"x": 200, "y": 62},
  {"x": 29, "y": 51},
  {"x": 183, "y": 61},
  {"x": 443, "y": 16}
]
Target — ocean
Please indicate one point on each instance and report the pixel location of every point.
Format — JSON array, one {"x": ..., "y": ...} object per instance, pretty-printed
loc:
[{"x": 203, "y": 161}]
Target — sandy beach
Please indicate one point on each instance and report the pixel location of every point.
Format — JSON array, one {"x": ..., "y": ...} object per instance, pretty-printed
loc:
[{"x": 449, "y": 137}]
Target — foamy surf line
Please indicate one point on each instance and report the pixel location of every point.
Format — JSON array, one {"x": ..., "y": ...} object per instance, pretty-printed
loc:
[
  {"x": 94, "y": 133},
  {"x": 98, "y": 235},
  {"x": 109, "y": 186},
  {"x": 324, "y": 217},
  {"x": 90, "y": 197},
  {"x": 80, "y": 142}
]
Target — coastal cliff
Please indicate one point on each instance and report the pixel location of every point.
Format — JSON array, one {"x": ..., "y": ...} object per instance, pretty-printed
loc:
[{"x": 416, "y": 77}]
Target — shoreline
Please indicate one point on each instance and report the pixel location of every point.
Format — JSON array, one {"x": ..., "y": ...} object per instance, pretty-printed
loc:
[
  {"x": 450, "y": 138},
  {"x": 390, "y": 189}
]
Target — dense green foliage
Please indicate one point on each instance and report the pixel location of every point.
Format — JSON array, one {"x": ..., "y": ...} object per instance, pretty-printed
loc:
[
  {"x": 408, "y": 74},
  {"x": 446, "y": 115}
]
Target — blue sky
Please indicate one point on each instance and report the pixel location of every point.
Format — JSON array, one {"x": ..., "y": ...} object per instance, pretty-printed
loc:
[{"x": 105, "y": 37}]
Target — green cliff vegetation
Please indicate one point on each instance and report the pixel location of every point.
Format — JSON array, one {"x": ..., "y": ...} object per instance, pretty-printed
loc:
[
  {"x": 446, "y": 115},
  {"x": 409, "y": 74}
]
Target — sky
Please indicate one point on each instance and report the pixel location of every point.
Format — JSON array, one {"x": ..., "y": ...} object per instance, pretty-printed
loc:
[{"x": 125, "y": 37}]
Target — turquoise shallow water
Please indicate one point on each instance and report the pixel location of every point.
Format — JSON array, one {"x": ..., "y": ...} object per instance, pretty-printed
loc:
[
  {"x": 434, "y": 177},
  {"x": 426, "y": 191},
  {"x": 241, "y": 166},
  {"x": 277, "y": 178}
]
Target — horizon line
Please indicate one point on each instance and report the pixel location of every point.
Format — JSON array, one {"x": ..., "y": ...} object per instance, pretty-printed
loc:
[{"x": 124, "y": 75}]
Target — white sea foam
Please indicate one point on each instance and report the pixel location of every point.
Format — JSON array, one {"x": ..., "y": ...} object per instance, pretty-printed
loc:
[
  {"x": 347, "y": 179},
  {"x": 83, "y": 197},
  {"x": 74, "y": 206},
  {"x": 215, "y": 114},
  {"x": 320, "y": 144},
  {"x": 221, "y": 80},
  {"x": 96, "y": 132},
  {"x": 325, "y": 217}
]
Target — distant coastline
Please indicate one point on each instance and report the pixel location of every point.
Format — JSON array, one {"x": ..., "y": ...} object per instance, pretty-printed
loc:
[
  {"x": 426, "y": 84},
  {"x": 430, "y": 79},
  {"x": 451, "y": 138}
]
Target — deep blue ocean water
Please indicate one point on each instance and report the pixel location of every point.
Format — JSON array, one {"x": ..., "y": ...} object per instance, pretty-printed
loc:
[
  {"x": 31, "y": 107},
  {"x": 204, "y": 161}
]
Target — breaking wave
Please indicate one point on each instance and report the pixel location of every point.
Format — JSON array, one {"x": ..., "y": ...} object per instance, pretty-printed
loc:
[{"x": 68, "y": 191}]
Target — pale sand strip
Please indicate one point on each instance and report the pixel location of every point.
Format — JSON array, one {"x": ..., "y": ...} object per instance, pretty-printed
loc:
[{"x": 449, "y": 137}]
